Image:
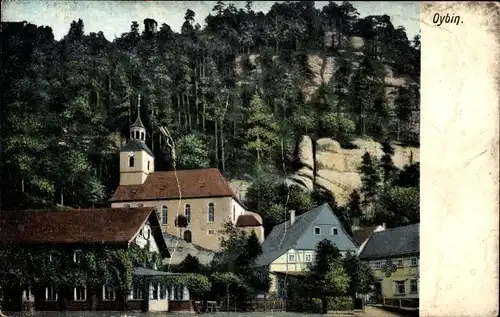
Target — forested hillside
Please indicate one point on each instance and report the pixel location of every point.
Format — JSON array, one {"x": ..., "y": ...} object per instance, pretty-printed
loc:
[{"x": 233, "y": 94}]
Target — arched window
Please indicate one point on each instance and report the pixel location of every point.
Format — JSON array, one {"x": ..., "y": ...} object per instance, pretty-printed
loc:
[
  {"x": 164, "y": 215},
  {"x": 187, "y": 236},
  {"x": 137, "y": 134},
  {"x": 187, "y": 213},
  {"x": 211, "y": 212},
  {"x": 142, "y": 135},
  {"x": 131, "y": 161}
]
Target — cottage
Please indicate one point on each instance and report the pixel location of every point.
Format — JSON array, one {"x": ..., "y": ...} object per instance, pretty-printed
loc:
[
  {"x": 203, "y": 196},
  {"x": 290, "y": 246},
  {"x": 76, "y": 260},
  {"x": 393, "y": 255}
]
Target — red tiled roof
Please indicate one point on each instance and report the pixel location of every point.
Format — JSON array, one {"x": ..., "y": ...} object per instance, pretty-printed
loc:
[
  {"x": 106, "y": 225},
  {"x": 207, "y": 182},
  {"x": 249, "y": 220},
  {"x": 360, "y": 235}
]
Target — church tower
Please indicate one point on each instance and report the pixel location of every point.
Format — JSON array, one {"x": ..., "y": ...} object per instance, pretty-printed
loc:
[{"x": 136, "y": 159}]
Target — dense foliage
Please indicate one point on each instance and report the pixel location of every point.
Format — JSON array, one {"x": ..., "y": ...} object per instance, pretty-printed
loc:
[
  {"x": 231, "y": 94},
  {"x": 39, "y": 266}
]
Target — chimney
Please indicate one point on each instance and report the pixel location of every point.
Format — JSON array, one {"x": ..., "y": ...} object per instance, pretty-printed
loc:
[{"x": 292, "y": 217}]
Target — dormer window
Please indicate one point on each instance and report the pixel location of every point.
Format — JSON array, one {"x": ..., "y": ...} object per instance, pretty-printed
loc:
[
  {"x": 317, "y": 231},
  {"x": 131, "y": 161}
]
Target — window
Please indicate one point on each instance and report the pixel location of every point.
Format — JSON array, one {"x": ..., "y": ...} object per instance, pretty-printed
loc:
[
  {"x": 211, "y": 232},
  {"x": 77, "y": 256},
  {"x": 80, "y": 293},
  {"x": 234, "y": 213},
  {"x": 308, "y": 258},
  {"x": 163, "y": 291},
  {"x": 108, "y": 292},
  {"x": 141, "y": 232},
  {"x": 164, "y": 215},
  {"x": 155, "y": 291},
  {"x": 178, "y": 292},
  {"x": 413, "y": 287},
  {"x": 335, "y": 231},
  {"x": 317, "y": 230},
  {"x": 142, "y": 135},
  {"x": 377, "y": 265},
  {"x": 414, "y": 261},
  {"x": 211, "y": 212},
  {"x": 131, "y": 161},
  {"x": 137, "y": 134},
  {"x": 149, "y": 164},
  {"x": 400, "y": 263},
  {"x": 187, "y": 213},
  {"x": 291, "y": 258},
  {"x": 50, "y": 293},
  {"x": 28, "y": 295},
  {"x": 187, "y": 236},
  {"x": 400, "y": 287},
  {"x": 136, "y": 292}
]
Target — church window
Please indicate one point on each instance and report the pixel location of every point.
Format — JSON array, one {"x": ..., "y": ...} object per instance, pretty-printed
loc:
[
  {"x": 211, "y": 212},
  {"x": 187, "y": 213},
  {"x": 142, "y": 135},
  {"x": 137, "y": 134},
  {"x": 187, "y": 236},
  {"x": 131, "y": 161},
  {"x": 164, "y": 215}
]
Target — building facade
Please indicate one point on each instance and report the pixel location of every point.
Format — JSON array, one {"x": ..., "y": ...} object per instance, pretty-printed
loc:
[
  {"x": 394, "y": 257},
  {"x": 203, "y": 196},
  {"x": 290, "y": 246},
  {"x": 48, "y": 243}
]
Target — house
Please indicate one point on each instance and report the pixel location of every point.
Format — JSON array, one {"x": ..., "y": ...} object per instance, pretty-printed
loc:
[
  {"x": 290, "y": 246},
  {"x": 52, "y": 254},
  {"x": 203, "y": 196},
  {"x": 393, "y": 255},
  {"x": 361, "y": 235},
  {"x": 179, "y": 249}
]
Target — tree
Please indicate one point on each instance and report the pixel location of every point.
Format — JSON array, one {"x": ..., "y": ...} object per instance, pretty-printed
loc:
[
  {"x": 387, "y": 164},
  {"x": 191, "y": 264},
  {"x": 370, "y": 178},
  {"x": 261, "y": 135},
  {"x": 354, "y": 204},
  {"x": 360, "y": 275},
  {"x": 327, "y": 277},
  {"x": 409, "y": 176},
  {"x": 399, "y": 206},
  {"x": 192, "y": 152}
]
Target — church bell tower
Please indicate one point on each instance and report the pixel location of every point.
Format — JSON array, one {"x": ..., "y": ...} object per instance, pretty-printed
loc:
[{"x": 136, "y": 159}]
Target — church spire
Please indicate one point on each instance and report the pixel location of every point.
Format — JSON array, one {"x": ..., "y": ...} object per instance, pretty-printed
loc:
[
  {"x": 137, "y": 129},
  {"x": 138, "y": 121}
]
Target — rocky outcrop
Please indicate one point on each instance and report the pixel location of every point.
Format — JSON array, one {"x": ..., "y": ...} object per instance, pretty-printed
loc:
[
  {"x": 336, "y": 169},
  {"x": 305, "y": 175}
]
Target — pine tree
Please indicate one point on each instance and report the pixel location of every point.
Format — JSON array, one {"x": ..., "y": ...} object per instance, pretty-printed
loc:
[{"x": 370, "y": 178}]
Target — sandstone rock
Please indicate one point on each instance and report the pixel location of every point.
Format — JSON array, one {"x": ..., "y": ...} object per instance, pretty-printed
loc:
[
  {"x": 305, "y": 152},
  {"x": 328, "y": 145}
]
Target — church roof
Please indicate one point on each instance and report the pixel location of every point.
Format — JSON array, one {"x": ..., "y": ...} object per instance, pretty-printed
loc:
[
  {"x": 197, "y": 183},
  {"x": 136, "y": 145}
]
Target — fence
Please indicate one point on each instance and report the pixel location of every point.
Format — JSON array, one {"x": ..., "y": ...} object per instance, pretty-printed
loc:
[{"x": 401, "y": 302}]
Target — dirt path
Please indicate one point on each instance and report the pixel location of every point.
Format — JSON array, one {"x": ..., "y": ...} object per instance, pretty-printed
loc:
[{"x": 377, "y": 312}]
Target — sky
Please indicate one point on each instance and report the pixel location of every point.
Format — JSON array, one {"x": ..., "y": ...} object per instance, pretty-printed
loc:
[{"x": 115, "y": 17}]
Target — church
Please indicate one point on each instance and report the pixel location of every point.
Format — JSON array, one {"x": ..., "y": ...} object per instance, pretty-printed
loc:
[{"x": 203, "y": 196}]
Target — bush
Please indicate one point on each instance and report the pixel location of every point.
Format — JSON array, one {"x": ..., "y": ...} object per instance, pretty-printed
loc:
[
  {"x": 304, "y": 305},
  {"x": 340, "y": 303}
]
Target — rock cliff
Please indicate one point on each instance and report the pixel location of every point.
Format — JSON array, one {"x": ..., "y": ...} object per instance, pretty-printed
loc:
[{"x": 328, "y": 166}]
